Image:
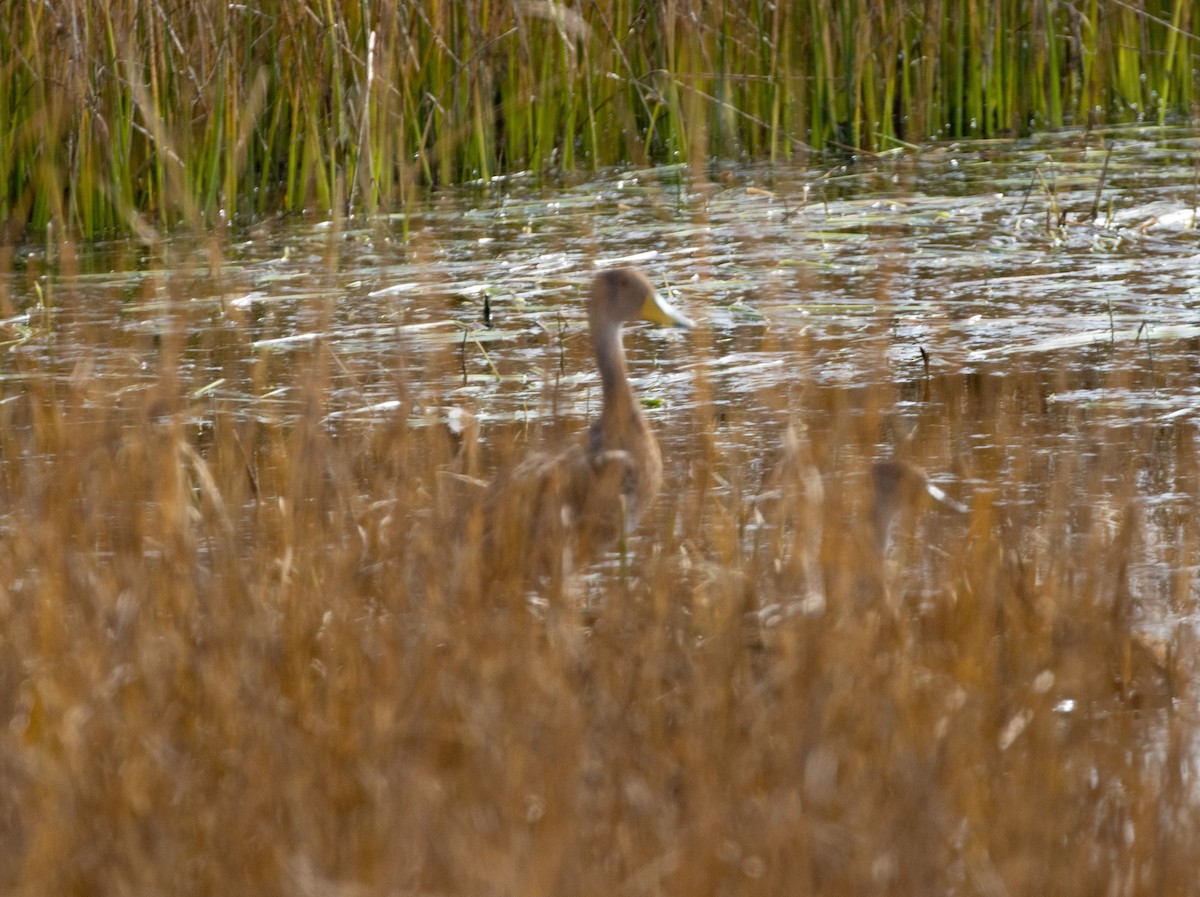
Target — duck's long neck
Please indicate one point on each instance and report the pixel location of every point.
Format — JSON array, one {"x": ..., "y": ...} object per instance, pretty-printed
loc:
[{"x": 620, "y": 406}]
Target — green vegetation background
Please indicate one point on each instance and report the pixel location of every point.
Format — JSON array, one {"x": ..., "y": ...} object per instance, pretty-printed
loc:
[{"x": 125, "y": 114}]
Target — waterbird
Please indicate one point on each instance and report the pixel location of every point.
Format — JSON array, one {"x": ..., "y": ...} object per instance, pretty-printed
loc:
[
  {"x": 898, "y": 485},
  {"x": 588, "y": 496},
  {"x": 850, "y": 557}
]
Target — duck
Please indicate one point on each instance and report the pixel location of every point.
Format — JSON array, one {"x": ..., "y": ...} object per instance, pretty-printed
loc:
[
  {"x": 898, "y": 485},
  {"x": 553, "y": 509}
]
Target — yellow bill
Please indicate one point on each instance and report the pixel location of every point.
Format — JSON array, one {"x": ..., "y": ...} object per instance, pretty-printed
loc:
[{"x": 659, "y": 311}]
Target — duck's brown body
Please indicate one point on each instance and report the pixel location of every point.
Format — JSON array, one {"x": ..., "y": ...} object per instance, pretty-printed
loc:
[{"x": 590, "y": 495}]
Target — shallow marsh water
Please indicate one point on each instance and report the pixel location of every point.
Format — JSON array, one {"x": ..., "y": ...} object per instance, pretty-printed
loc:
[{"x": 1055, "y": 277}]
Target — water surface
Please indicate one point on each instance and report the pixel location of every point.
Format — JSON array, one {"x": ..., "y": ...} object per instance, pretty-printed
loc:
[{"x": 1003, "y": 307}]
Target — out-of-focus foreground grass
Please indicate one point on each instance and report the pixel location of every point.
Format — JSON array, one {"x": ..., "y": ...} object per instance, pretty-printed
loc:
[{"x": 244, "y": 651}]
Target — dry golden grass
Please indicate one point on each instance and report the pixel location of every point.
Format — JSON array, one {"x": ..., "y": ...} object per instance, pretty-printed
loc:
[{"x": 255, "y": 656}]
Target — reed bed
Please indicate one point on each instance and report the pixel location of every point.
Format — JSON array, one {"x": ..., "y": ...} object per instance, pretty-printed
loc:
[
  {"x": 125, "y": 115},
  {"x": 251, "y": 651}
]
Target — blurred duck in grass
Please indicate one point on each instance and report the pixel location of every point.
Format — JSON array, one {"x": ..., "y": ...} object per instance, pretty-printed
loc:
[{"x": 553, "y": 510}]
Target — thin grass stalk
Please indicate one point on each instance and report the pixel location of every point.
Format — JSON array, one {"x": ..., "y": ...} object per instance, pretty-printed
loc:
[
  {"x": 978, "y": 74},
  {"x": 1169, "y": 58},
  {"x": 1124, "y": 47},
  {"x": 571, "y": 80},
  {"x": 1054, "y": 113},
  {"x": 818, "y": 47},
  {"x": 927, "y": 119},
  {"x": 777, "y": 82},
  {"x": 676, "y": 31},
  {"x": 515, "y": 150},
  {"x": 592, "y": 131}
]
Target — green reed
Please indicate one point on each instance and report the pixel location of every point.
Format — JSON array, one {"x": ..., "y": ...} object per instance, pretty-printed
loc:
[{"x": 126, "y": 114}]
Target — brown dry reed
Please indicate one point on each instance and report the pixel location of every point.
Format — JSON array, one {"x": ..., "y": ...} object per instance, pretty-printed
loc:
[
  {"x": 137, "y": 116},
  {"x": 246, "y": 649}
]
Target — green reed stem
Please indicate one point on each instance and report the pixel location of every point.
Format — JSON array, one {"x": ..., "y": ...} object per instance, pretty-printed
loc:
[{"x": 118, "y": 111}]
